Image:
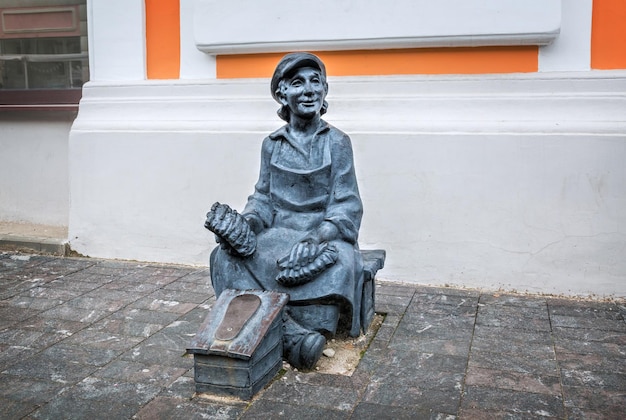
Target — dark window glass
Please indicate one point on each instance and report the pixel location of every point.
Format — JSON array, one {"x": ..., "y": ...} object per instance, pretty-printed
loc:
[{"x": 42, "y": 63}]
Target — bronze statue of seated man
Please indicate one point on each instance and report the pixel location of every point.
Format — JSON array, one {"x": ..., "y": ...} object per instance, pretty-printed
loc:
[{"x": 298, "y": 232}]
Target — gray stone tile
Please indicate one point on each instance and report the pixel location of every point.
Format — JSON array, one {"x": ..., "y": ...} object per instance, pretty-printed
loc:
[
  {"x": 34, "y": 303},
  {"x": 431, "y": 345},
  {"x": 450, "y": 291},
  {"x": 592, "y": 362},
  {"x": 14, "y": 409},
  {"x": 479, "y": 414},
  {"x": 399, "y": 395},
  {"x": 80, "y": 281},
  {"x": 329, "y": 380},
  {"x": 512, "y": 362},
  {"x": 602, "y": 402},
  {"x": 197, "y": 315},
  {"x": 80, "y": 354},
  {"x": 72, "y": 408},
  {"x": 126, "y": 327},
  {"x": 582, "y": 322},
  {"x": 539, "y": 350},
  {"x": 197, "y": 276},
  {"x": 204, "y": 290},
  {"x": 103, "y": 340},
  {"x": 264, "y": 409},
  {"x": 179, "y": 296},
  {"x": 388, "y": 288},
  {"x": 177, "y": 335},
  {"x": 42, "y": 366},
  {"x": 486, "y": 332},
  {"x": 115, "y": 392},
  {"x": 442, "y": 326},
  {"x": 112, "y": 295},
  {"x": 589, "y": 335},
  {"x": 19, "y": 337},
  {"x": 393, "y": 300},
  {"x": 415, "y": 367},
  {"x": 154, "y": 354},
  {"x": 10, "y": 355},
  {"x": 71, "y": 313},
  {"x": 51, "y": 293},
  {"x": 168, "y": 408},
  {"x": 367, "y": 411},
  {"x": 589, "y": 308},
  {"x": 97, "y": 303},
  {"x": 68, "y": 264},
  {"x": 32, "y": 341},
  {"x": 589, "y": 379},
  {"x": 125, "y": 371},
  {"x": 28, "y": 390},
  {"x": 384, "y": 333},
  {"x": 183, "y": 387},
  {"x": 51, "y": 325},
  {"x": 13, "y": 314},
  {"x": 523, "y": 404},
  {"x": 134, "y": 287},
  {"x": 330, "y": 398},
  {"x": 21, "y": 262},
  {"x": 145, "y": 315},
  {"x": 163, "y": 305},
  {"x": 449, "y": 299},
  {"x": 505, "y": 312},
  {"x": 590, "y": 347},
  {"x": 388, "y": 309},
  {"x": 538, "y": 383},
  {"x": 513, "y": 300}
]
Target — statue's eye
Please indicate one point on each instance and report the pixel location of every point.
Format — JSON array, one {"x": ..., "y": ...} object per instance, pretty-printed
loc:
[{"x": 296, "y": 83}]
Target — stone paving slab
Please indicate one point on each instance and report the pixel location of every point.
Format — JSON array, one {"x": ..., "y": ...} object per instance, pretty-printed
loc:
[{"x": 87, "y": 338}]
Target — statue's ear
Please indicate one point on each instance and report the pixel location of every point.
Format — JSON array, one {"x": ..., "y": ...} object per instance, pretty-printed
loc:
[{"x": 282, "y": 98}]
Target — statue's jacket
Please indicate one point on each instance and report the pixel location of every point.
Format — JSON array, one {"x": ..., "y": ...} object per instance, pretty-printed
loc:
[{"x": 299, "y": 187}]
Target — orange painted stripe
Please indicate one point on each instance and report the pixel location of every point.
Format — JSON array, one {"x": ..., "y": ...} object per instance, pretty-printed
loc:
[
  {"x": 477, "y": 60},
  {"x": 162, "y": 39},
  {"x": 608, "y": 35}
]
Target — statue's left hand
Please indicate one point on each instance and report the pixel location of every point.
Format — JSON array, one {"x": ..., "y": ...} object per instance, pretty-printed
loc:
[
  {"x": 302, "y": 253},
  {"x": 305, "y": 261}
]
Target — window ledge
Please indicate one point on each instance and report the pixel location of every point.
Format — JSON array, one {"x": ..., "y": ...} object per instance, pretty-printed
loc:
[{"x": 40, "y": 100}]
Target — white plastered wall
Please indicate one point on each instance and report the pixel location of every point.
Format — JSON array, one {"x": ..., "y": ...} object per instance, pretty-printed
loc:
[
  {"x": 34, "y": 184},
  {"x": 497, "y": 181}
]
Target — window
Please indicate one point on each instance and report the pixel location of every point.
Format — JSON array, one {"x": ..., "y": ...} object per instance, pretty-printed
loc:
[{"x": 43, "y": 54}]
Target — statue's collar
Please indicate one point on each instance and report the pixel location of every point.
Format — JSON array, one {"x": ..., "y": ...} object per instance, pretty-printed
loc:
[{"x": 283, "y": 132}]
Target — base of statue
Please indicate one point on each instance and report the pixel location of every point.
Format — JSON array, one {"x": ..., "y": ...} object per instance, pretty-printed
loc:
[{"x": 239, "y": 347}]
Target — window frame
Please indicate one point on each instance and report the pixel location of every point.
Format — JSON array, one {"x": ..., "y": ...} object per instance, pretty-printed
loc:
[{"x": 42, "y": 99}]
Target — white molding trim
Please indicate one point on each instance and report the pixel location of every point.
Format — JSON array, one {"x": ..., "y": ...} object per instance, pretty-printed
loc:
[
  {"x": 237, "y": 26},
  {"x": 542, "y": 103}
]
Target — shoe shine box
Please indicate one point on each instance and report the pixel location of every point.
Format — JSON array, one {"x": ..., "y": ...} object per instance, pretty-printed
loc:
[{"x": 239, "y": 347}]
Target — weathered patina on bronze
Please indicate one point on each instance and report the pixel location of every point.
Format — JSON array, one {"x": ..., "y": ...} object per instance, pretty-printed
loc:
[{"x": 298, "y": 232}]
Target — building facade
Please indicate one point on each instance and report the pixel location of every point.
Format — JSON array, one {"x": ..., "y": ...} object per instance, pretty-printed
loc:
[{"x": 489, "y": 135}]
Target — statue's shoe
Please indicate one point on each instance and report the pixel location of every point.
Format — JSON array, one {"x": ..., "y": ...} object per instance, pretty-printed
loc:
[
  {"x": 311, "y": 350},
  {"x": 302, "y": 347}
]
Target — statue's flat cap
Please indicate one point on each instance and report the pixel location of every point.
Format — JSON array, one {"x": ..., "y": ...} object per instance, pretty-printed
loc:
[{"x": 291, "y": 62}]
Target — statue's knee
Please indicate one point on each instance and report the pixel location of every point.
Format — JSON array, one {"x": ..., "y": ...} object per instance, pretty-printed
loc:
[{"x": 318, "y": 317}]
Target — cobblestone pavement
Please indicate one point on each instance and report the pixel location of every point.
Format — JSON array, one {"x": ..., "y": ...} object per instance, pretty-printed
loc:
[{"x": 85, "y": 338}]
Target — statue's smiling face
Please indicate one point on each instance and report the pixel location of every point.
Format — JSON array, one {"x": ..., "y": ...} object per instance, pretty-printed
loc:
[{"x": 304, "y": 92}]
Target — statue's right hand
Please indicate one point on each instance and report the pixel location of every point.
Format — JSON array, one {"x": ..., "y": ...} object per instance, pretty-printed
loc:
[{"x": 232, "y": 231}]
